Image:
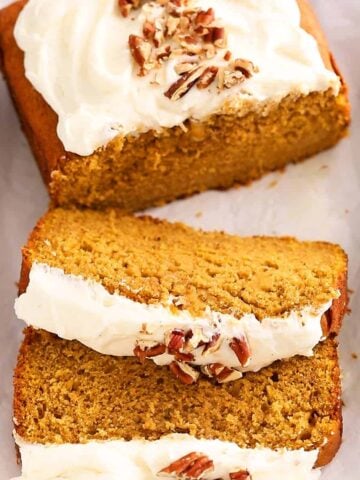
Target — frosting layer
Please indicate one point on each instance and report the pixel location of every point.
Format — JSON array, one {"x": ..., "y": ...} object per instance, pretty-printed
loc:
[
  {"x": 142, "y": 460},
  {"x": 77, "y": 57},
  {"x": 78, "y": 309}
]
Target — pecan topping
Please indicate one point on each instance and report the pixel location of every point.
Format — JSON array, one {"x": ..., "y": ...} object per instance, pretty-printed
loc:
[
  {"x": 190, "y": 467},
  {"x": 184, "y": 67},
  {"x": 176, "y": 341},
  {"x": 149, "y": 30},
  {"x": 213, "y": 345},
  {"x": 172, "y": 24},
  {"x": 127, "y": 5},
  {"x": 182, "y": 29},
  {"x": 184, "y": 356},
  {"x": 184, "y": 372},
  {"x": 207, "y": 77},
  {"x": 204, "y": 18},
  {"x": 241, "y": 349},
  {"x": 163, "y": 53},
  {"x": 218, "y": 37},
  {"x": 149, "y": 352},
  {"x": 221, "y": 373},
  {"x": 246, "y": 67},
  {"x": 184, "y": 84},
  {"x": 240, "y": 475},
  {"x": 140, "y": 50}
]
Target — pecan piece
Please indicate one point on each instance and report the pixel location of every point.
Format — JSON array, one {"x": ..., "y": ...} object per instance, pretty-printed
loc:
[
  {"x": 192, "y": 466},
  {"x": 221, "y": 373},
  {"x": 183, "y": 67},
  {"x": 176, "y": 341},
  {"x": 205, "y": 17},
  {"x": 219, "y": 37},
  {"x": 149, "y": 30},
  {"x": 207, "y": 77},
  {"x": 171, "y": 27},
  {"x": 163, "y": 53},
  {"x": 127, "y": 5},
  {"x": 184, "y": 372},
  {"x": 240, "y": 475},
  {"x": 184, "y": 356},
  {"x": 178, "y": 89},
  {"x": 241, "y": 349},
  {"x": 213, "y": 345},
  {"x": 228, "y": 78},
  {"x": 148, "y": 352},
  {"x": 246, "y": 67},
  {"x": 141, "y": 51}
]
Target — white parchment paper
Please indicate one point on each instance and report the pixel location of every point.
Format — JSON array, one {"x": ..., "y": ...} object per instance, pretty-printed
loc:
[{"x": 319, "y": 199}]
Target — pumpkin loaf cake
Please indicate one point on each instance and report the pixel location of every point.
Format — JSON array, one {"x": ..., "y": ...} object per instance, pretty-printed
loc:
[
  {"x": 134, "y": 103},
  {"x": 80, "y": 414},
  {"x": 125, "y": 285}
]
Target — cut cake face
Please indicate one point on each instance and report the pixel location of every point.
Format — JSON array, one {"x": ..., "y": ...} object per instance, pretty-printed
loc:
[
  {"x": 78, "y": 410},
  {"x": 223, "y": 304}
]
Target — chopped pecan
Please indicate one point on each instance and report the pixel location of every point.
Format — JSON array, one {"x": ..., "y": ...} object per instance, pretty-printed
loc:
[
  {"x": 184, "y": 356},
  {"x": 241, "y": 349},
  {"x": 207, "y": 77},
  {"x": 127, "y": 5},
  {"x": 240, "y": 475},
  {"x": 163, "y": 53},
  {"x": 191, "y": 467},
  {"x": 221, "y": 373},
  {"x": 176, "y": 341},
  {"x": 149, "y": 30},
  {"x": 178, "y": 89},
  {"x": 205, "y": 17},
  {"x": 228, "y": 78},
  {"x": 217, "y": 36},
  {"x": 246, "y": 67},
  {"x": 172, "y": 25},
  {"x": 141, "y": 51},
  {"x": 183, "y": 67},
  {"x": 184, "y": 372},
  {"x": 213, "y": 345},
  {"x": 159, "y": 34},
  {"x": 227, "y": 56},
  {"x": 149, "y": 352}
]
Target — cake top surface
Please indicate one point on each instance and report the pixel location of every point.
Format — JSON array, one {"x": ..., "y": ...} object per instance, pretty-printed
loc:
[
  {"x": 157, "y": 262},
  {"x": 66, "y": 393},
  {"x": 108, "y": 71}
]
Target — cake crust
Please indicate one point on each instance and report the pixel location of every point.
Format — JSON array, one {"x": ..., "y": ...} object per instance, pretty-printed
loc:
[
  {"x": 135, "y": 174},
  {"x": 65, "y": 393}
]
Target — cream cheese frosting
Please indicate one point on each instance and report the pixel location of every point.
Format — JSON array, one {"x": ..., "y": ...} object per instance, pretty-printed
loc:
[
  {"x": 76, "y": 308},
  {"x": 77, "y": 57},
  {"x": 142, "y": 460}
]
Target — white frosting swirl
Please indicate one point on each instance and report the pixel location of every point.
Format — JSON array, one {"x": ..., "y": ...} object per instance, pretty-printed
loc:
[
  {"x": 77, "y": 57},
  {"x": 80, "y": 309},
  {"x": 142, "y": 460}
]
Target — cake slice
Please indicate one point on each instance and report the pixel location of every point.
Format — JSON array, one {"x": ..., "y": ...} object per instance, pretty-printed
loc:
[
  {"x": 126, "y": 285},
  {"x": 80, "y": 414},
  {"x": 133, "y": 107}
]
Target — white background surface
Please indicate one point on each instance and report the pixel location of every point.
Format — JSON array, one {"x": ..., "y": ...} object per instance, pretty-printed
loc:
[{"x": 319, "y": 199}]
